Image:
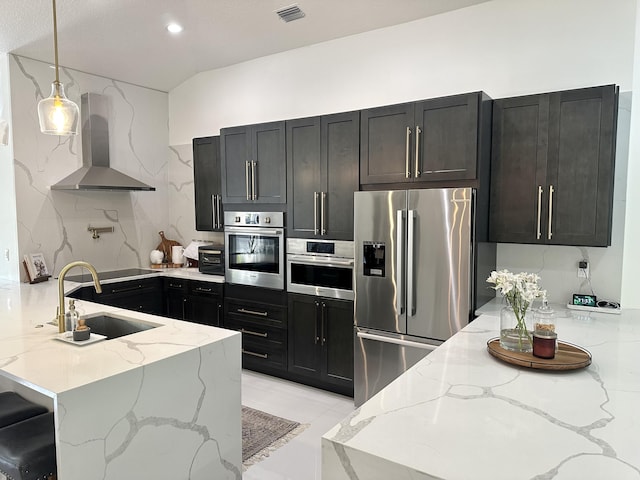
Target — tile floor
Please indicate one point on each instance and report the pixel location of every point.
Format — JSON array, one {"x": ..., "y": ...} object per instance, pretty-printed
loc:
[{"x": 300, "y": 458}]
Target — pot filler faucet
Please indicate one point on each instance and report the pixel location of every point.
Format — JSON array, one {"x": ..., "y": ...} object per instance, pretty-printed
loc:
[{"x": 63, "y": 272}]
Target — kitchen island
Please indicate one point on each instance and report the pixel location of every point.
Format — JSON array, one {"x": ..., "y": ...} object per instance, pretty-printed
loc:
[
  {"x": 160, "y": 403},
  {"x": 462, "y": 414}
]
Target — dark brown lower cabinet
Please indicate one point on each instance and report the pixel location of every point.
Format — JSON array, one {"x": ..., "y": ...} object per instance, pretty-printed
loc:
[{"x": 321, "y": 342}]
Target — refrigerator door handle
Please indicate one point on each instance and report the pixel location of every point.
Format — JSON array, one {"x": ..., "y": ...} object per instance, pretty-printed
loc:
[
  {"x": 411, "y": 301},
  {"x": 400, "y": 295},
  {"x": 396, "y": 341}
]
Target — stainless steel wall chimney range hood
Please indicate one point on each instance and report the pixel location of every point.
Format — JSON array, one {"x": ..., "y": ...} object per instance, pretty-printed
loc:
[{"x": 95, "y": 173}]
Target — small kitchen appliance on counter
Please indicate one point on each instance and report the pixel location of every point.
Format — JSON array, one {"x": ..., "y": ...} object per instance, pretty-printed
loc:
[{"x": 211, "y": 259}]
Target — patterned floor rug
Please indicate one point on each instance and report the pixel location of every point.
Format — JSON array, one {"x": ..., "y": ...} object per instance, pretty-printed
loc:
[{"x": 263, "y": 433}]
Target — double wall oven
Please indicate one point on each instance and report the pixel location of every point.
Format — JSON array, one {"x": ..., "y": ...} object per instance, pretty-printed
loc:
[{"x": 254, "y": 243}]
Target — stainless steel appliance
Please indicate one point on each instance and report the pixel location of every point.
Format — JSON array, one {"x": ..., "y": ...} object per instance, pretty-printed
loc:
[
  {"x": 320, "y": 267},
  {"x": 415, "y": 277},
  {"x": 211, "y": 259},
  {"x": 254, "y": 248}
]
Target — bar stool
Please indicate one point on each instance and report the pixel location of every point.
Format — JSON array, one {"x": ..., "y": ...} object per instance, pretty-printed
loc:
[
  {"x": 28, "y": 449},
  {"x": 14, "y": 408}
]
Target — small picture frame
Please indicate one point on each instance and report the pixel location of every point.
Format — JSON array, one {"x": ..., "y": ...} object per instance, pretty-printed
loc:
[{"x": 36, "y": 266}]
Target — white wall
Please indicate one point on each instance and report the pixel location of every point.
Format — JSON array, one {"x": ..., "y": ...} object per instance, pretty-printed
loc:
[
  {"x": 503, "y": 47},
  {"x": 9, "y": 267},
  {"x": 55, "y": 222}
]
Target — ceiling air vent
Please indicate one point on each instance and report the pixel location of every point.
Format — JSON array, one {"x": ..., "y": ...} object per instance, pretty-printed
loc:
[{"x": 290, "y": 13}]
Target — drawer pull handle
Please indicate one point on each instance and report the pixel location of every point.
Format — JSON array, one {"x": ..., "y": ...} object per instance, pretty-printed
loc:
[
  {"x": 257, "y": 334},
  {"x": 260, "y": 355},
  {"x": 253, "y": 312},
  {"x": 175, "y": 285},
  {"x": 200, "y": 289},
  {"x": 127, "y": 289}
]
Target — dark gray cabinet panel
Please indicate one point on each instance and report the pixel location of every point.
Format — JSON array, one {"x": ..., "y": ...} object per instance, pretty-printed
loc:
[
  {"x": 322, "y": 164},
  {"x": 207, "y": 184},
  {"x": 254, "y": 163},
  {"x": 428, "y": 141},
  {"x": 321, "y": 341},
  {"x": 552, "y": 167}
]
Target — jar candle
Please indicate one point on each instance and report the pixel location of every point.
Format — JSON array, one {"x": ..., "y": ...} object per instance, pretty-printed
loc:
[{"x": 544, "y": 343}]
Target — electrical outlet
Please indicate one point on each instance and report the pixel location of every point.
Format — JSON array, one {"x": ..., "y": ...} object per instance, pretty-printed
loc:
[{"x": 583, "y": 269}]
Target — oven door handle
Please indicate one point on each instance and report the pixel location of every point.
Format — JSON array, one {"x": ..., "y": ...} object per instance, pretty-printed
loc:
[
  {"x": 254, "y": 231},
  {"x": 327, "y": 262}
]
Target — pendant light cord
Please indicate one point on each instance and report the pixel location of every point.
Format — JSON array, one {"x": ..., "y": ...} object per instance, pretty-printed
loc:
[{"x": 55, "y": 41}]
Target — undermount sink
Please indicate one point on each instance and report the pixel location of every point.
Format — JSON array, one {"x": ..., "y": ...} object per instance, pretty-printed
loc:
[{"x": 113, "y": 326}]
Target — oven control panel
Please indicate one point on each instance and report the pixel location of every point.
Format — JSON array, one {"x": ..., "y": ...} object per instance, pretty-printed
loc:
[{"x": 254, "y": 219}]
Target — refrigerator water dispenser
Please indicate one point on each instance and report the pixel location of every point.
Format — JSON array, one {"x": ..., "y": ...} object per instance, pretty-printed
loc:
[{"x": 373, "y": 259}]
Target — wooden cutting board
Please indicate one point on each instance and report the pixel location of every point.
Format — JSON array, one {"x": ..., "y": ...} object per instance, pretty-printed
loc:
[{"x": 568, "y": 357}]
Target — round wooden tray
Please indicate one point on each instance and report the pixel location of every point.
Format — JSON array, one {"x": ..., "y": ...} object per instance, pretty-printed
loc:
[{"x": 568, "y": 357}]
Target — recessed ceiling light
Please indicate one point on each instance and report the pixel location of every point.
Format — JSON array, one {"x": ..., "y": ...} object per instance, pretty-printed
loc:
[{"x": 174, "y": 28}]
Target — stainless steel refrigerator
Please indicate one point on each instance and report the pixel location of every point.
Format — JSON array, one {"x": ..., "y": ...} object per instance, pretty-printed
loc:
[{"x": 417, "y": 268}]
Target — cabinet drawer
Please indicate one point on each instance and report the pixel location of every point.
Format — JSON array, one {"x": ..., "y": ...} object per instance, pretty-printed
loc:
[
  {"x": 268, "y": 355},
  {"x": 257, "y": 332},
  {"x": 256, "y": 313},
  {"x": 175, "y": 284},
  {"x": 132, "y": 287},
  {"x": 207, "y": 289}
]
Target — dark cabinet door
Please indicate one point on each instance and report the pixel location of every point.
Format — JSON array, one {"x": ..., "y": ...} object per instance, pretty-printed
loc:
[
  {"x": 304, "y": 176},
  {"x": 235, "y": 152},
  {"x": 552, "y": 167},
  {"x": 323, "y": 170},
  {"x": 175, "y": 291},
  {"x": 518, "y": 169},
  {"x": 305, "y": 333},
  {"x": 337, "y": 341},
  {"x": 446, "y": 138},
  {"x": 144, "y": 295},
  {"x": 204, "y": 303},
  {"x": 582, "y": 130},
  {"x": 340, "y": 154},
  {"x": 386, "y": 144},
  {"x": 269, "y": 168},
  {"x": 207, "y": 183}
]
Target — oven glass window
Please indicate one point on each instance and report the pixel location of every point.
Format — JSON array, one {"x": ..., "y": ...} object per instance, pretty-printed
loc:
[
  {"x": 256, "y": 253},
  {"x": 322, "y": 276}
]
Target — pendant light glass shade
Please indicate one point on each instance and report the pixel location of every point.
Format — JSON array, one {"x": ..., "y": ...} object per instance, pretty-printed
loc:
[{"x": 58, "y": 115}]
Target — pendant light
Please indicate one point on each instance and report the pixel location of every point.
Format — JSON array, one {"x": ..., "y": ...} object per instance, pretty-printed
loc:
[{"x": 57, "y": 114}]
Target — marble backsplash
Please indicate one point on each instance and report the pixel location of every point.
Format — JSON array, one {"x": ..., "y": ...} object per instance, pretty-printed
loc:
[{"x": 55, "y": 222}]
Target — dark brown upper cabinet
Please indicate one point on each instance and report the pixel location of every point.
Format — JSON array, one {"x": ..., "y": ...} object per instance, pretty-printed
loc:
[
  {"x": 254, "y": 164},
  {"x": 322, "y": 173},
  {"x": 552, "y": 167},
  {"x": 207, "y": 184},
  {"x": 436, "y": 140}
]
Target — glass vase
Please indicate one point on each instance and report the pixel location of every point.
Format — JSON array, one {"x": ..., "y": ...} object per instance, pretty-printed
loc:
[{"x": 515, "y": 332}]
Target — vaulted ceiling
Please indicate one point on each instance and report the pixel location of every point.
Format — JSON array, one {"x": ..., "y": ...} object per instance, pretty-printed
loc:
[{"x": 127, "y": 39}]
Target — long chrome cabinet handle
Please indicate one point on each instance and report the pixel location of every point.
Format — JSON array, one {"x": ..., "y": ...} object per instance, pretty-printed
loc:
[
  {"x": 407, "y": 172},
  {"x": 254, "y": 195},
  {"x": 260, "y": 355},
  {"x": 220, "y": 222},
  {"x": 418, "y": 132},
  {"x": 315, "y": 327},
  {"x": 246, "y": 178},
  {"x": 251, "y": 332},
  {"x": 400, "y": 261},
  {"x": 411, "y": 301},
  {"x": 253, "y": 312},
  {"x": 315, "y": 213},
  {"x": 549, "y": 232},
  {"x": 324, "y": 339},
  {"x": 214, "y": 210},
  {"x": 539, "y": 232},
  {"x": 323, "y": 199}
]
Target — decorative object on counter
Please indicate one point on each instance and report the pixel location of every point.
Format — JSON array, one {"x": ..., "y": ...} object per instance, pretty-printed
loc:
[
  {"x": 57, "y": 114},
  {"x": 568, "y": 357},
  {"x": 82, "y": 332},
  {"x": 177, "y": 255},
  {"x": 36, "y": 268},
  {"x": 544, "y": 343},
  {"x": 544, "y": 317},
  {"x": 519, "y": 290},
  {"x": 156, "y": 257},
  {"x": 165, "y": 246}
]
